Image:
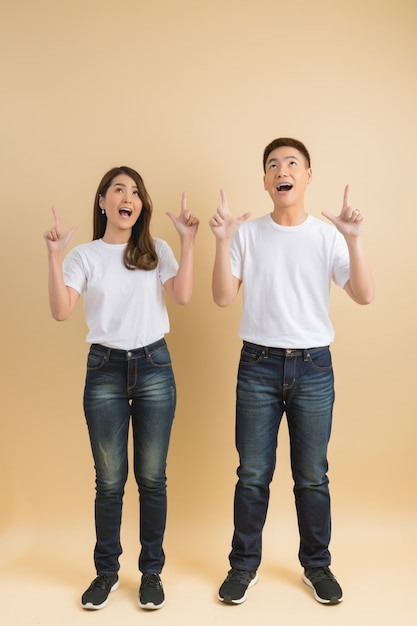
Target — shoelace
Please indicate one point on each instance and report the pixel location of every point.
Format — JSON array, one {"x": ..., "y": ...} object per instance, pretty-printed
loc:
[
  {"x": 102, "y": 582},
  {"x": 240, "y": 576},
  {"x": 322, "y": 573},
  {"x": 151, "y": 580}
]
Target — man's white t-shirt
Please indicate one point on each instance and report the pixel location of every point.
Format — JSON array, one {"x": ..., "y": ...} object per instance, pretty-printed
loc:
[
  {"x": 124, "y": 309},
  {"x": 286, "y": 272}
]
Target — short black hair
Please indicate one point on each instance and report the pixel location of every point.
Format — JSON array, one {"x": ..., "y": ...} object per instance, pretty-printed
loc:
[{"x": 283, "y": 142}]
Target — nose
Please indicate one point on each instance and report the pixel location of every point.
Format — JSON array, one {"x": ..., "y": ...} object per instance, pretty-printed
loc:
[{"x": 281, "y": 171}]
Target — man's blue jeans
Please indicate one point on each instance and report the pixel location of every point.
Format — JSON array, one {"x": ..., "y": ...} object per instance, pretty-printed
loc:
[
  {"x": 123, "y": 386},
  {"x": 300, "y": 383}
]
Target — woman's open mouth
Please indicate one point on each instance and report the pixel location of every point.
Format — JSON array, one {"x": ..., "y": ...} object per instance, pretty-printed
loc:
[{"x": 125, "y": 212}]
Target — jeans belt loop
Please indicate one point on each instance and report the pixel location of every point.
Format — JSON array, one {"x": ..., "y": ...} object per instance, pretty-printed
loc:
[{"x": 306, "y": 355}]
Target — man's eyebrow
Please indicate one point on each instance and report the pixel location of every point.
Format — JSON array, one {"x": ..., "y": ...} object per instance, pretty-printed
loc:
[{"x": 284, "y": 158}]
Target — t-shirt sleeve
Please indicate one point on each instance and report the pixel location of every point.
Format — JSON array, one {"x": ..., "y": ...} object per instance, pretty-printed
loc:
[
  {"x": 74, "y": 271},
  {"x": 236, "y": 256},
  {"x": 341, "y": 264},
  {"x": 167, "y": 263}
]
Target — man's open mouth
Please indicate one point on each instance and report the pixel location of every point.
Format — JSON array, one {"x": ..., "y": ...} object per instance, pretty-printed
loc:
[{"x": 284, "y": 187}]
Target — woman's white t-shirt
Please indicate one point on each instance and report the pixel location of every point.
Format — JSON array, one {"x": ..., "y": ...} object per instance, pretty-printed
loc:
[
  {"x": 286, "y": 273},
  {"x": 124, "y": 309}
]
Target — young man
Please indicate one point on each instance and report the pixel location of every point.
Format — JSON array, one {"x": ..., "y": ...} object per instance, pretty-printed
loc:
[{"x": 285, "y": 261}]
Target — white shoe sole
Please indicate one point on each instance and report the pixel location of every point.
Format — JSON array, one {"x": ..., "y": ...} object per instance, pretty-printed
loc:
[
  {"x": 243, "y": 598},
  {"x": 96, "y": 607},
  {"x": 308, "y": 582}
]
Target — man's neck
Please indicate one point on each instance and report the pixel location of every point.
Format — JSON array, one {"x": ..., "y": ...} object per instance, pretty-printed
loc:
[{"x": 289, "y": 216}]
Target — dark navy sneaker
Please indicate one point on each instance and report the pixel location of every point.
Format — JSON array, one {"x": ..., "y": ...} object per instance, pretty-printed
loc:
[
  {"x": 234, "y": 588},
  {"x": 97, "y": 595},
  {"x": 326, "y": 588},
  {"x": 151, "y": 592}
]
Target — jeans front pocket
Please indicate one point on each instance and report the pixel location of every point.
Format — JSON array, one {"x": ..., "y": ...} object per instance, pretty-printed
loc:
[
  {"x": 96, "y": 359},
  {"x": 321, "y": 360},
  {"x": 250, "y": 356},
  {"x": 160, "y": 357}
]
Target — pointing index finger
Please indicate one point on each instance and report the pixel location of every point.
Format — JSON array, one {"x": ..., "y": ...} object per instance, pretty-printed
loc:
[
  {"x": 183, "y": 202},
  {"x": 224, "y": 203},
  {"x": 346, "y": 197},
  {"x": 56, "y": 218}
]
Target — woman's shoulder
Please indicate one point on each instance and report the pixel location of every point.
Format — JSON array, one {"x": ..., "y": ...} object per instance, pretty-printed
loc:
[
  {"x": 160, "y": 245},
  {"x": 86, "y": 250},
  {"x": 158, "y": 241}
]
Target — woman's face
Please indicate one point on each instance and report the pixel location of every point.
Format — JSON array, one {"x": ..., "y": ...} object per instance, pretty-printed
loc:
[{"x": 122, "y": 206}]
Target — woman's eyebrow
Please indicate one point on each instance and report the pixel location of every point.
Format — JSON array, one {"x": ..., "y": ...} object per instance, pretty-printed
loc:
[{"x": 123, "y": 185}]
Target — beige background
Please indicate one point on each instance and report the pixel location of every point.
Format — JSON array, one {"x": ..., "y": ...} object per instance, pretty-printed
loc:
[{"x": 189, "y": 93}]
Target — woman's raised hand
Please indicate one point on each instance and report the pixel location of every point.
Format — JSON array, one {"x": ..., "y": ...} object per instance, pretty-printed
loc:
[{"x": 56, "y": 238}]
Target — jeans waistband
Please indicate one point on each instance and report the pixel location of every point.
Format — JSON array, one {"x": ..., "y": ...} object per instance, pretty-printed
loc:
[
  {"x": 128, "y": 354},
  {"x": 285, "y": 351}
]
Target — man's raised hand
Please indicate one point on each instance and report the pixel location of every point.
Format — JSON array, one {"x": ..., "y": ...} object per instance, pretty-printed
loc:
[
  {"x": 349, "y": 222},
  {"x": 222, "y": 223}
]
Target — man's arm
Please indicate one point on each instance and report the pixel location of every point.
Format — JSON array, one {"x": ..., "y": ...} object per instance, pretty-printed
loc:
[
  {"x": 225, "y": 286},
  {"x": 360, "y": 286}
]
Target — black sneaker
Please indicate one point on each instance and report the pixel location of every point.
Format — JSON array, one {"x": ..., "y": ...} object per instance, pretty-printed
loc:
[
  {"x": 326, "y": 588},
  {"x": 151, "y": 592},
  {"x": 234, "y": 588},
  {"x": 97, "y": 595}
]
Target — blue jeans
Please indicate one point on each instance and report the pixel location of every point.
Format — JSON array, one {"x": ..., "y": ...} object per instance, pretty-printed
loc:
[
  {"x": 300, "y": 383},
  {"x": 123, "y": 386}
]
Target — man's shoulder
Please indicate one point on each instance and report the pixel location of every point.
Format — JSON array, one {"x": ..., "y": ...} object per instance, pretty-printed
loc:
[
  {"x": 256, "y": 222},
  {"x": 321, "y": 225}
]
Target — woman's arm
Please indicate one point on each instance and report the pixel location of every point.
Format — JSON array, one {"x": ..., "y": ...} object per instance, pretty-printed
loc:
[
  {"x": 62, "y": 299},
  {"x": 180, "y": 287}
]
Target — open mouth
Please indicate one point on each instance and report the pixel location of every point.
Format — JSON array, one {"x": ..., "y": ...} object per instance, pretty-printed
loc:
[
  {"x": 125, "y": 212},
  {"x": 284, "y": 187}
]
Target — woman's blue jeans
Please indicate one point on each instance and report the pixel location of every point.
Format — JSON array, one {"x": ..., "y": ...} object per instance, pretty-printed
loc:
[
  {"x": 123, "y": 386},
  {"x": 300, "y": 383}
]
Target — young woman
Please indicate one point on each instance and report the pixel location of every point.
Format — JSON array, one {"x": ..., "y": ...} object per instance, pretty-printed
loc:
[{"x": 121, "y": 274}]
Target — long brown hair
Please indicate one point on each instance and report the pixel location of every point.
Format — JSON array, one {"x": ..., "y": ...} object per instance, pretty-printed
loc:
[{"x": 140, "y": 251}]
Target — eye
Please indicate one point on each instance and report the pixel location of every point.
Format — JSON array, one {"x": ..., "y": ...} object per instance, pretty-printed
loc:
[
  {"x": 292, "y": 163},
  {"x": 135, "y": 192}
]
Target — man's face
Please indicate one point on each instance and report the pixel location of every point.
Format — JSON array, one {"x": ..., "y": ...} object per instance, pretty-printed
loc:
[{"x": 286, "y": 176}]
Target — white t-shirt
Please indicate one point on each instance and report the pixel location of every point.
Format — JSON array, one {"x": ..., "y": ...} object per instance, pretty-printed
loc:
[
  {"x": 124, "y": 309},
  {"x": 286, "y": 273}
]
